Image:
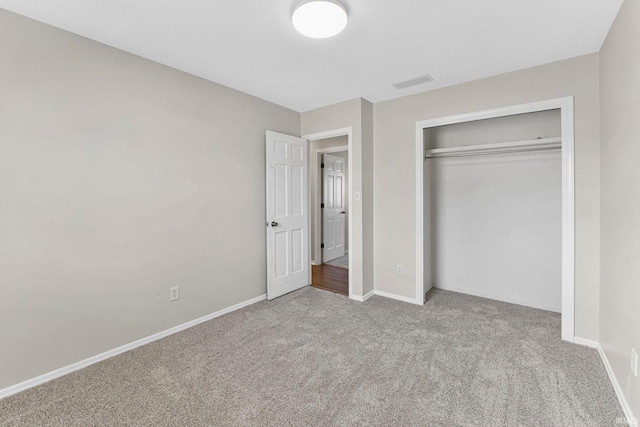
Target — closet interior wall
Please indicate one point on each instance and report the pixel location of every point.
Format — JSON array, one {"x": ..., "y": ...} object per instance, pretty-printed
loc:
[{"x": 494, "y": 222}]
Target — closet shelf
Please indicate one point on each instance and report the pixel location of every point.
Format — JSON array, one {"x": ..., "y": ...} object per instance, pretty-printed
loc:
[{"x": 499, "y": 147}]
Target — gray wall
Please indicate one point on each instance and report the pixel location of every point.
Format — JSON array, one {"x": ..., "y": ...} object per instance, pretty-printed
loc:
[
  {"x": 357, "y": 114},
  {"x": 368, "y": 196},
  {"x": 111, "y": 173},
  {"x": 395, "y": 174},
  {"x": 620, "y": 194}
]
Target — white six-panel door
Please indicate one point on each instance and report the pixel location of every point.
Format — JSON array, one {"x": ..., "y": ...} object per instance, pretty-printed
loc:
[
  {"x": 287, "y": 214},
  {"x": 333, "y": 213}
]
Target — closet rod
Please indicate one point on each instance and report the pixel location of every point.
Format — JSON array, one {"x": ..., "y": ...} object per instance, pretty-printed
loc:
[
  {"x": 495, "y": 148},
  {"x": 485, "y": 153}
]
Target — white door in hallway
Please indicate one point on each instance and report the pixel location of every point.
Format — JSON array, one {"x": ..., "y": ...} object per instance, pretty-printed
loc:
[
  {"x": 287, "y": 214},
  {"x": 333, "y": 212}
]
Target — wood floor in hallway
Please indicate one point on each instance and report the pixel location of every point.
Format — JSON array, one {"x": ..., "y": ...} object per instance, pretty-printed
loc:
[{"x": 329, "y": 278}]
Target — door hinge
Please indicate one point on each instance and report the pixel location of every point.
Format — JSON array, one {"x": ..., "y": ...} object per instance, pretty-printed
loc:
[
  {"x": 322, "y": 165},
  {"x": 321, "y": 205},
  {"x": 321, "y": 245}
]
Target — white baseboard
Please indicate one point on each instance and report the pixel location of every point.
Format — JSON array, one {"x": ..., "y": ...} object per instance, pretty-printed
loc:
[
  {"x": 631, "y": 420},
  {"x": 138, "y": 343},
  {"x": 397, "y": 297},
  {"x": 362, "y": 299},
  {"x": 585, "y": 342},
  {"x": 488, "y": 295},
  {"x": 368, "y": 295},
  {"x": 5, "y": 392}
]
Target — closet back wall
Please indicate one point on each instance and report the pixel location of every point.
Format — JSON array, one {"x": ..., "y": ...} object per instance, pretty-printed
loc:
[{"x": 496, "y": 219}]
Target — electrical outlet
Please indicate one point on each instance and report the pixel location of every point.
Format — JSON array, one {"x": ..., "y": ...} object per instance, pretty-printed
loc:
[
  {"x": 634, "y": 362},
  {"x": 399, "y": 270},
  {"x": 174, "y": 293}
]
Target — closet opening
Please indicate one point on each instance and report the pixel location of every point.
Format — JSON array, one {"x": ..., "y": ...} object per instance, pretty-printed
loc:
[{"x": 495, "y": 206}]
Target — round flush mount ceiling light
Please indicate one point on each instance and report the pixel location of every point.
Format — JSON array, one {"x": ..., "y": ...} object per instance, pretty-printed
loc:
[{"x": 319, "y": 19}]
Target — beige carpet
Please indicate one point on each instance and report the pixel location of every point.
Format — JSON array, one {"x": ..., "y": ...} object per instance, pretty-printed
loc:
[{"x": 317, "y": 358}]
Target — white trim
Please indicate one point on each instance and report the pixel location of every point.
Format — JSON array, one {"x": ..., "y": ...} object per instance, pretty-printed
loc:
[
  {"x": 585, "y": 342},
  {"x": 336, "y": 149},
  {"x": 328, "y": 134},
  {"x": 568, "y": 201},
  {"x": 420, "y": 250},
  {"x": 498, "y": 297},
  {"x": 626, "y": 408},
  {"x": 348, "y": 131},
  {"x": 366, "y": 297},
  {"x": 531, "y": 107},
  {"x": 396, "y": 297},
  {"x": 568, "y": 219},
  {"x": 5, "y": 392}
]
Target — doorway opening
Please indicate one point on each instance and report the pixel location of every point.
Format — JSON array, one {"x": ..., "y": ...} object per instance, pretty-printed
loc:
[{"x": 330, "y": 219}]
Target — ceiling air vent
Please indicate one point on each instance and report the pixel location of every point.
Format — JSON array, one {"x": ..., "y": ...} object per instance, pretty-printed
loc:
[{"x": 413, "y": 82}]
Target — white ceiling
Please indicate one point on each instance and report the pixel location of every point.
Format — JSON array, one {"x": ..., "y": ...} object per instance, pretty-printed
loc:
[{"x": 250, "y": 45}]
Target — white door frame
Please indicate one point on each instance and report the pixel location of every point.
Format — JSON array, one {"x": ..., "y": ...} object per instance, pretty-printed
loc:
[
  {"x": 348, "y": 132},
  {"x": 317, "y": 231},
  {"x": 568, "y": 202}
]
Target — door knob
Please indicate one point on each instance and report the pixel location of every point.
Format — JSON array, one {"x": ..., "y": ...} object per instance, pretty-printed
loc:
[
  {"x": 274, "y": 224},
  {"x": 342, "y": 212}
]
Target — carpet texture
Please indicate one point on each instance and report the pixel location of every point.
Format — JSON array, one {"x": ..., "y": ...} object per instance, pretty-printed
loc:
[
  {"x": 342, "y": 262},
  {"x": 317, "y": 358}
]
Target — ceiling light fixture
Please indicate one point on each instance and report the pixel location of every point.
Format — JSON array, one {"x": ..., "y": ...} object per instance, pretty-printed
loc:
[{"x": 319, "y": 19}]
